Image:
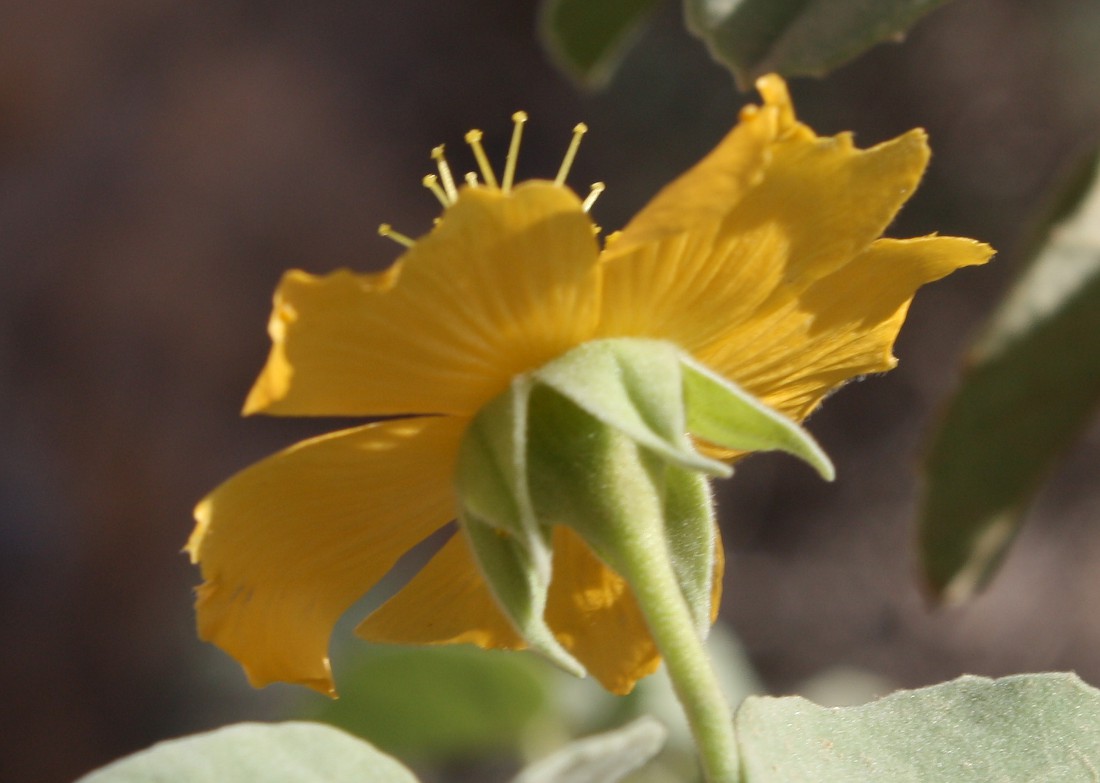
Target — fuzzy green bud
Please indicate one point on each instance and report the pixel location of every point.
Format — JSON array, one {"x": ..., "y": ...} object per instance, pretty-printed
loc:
[{"x": 600, "y": 440}]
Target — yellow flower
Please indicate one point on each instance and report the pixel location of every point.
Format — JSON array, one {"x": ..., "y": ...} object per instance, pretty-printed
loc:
[{"x": 764, "y": 262}]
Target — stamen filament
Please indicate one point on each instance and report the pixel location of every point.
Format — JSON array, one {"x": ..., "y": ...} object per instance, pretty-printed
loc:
[
  {"x": 386, "y": 230},
  {"x": 519, "y": 118},
  {"x": 593, "y": 194},
  {"x": 471, "y": 179},
  {"x": 445, "y": 174},
  {"x": 431, "y": 182},
  {"x": 567, "y": 162},
  {"x": 473, "y": 138}
]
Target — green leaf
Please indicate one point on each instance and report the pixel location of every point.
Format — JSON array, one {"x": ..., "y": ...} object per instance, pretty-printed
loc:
[
  {"x": 249, "y": 752},
  {"x": 1033, "y": 386},
  {"x": 605, "y": 758},
  {"x": 1040, "y": 728},
  {"x": 588, "y": 38},
  {"x": 797, "y": 37},
  {"x": 439, "y": 703}
]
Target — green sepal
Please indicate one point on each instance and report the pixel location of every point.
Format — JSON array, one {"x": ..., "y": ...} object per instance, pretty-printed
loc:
[
  {"x": 518, "y": 574},
  {"x": 491, "y": 473},
  {"x": 691, "y": 534},
  {"x": 591, "y": 476},
  {"x": 633, "y": 385},
  {"x": 723, "y": 413},
  {"x": 621, "y": 498},
  {"x": 511, "y": 548}
]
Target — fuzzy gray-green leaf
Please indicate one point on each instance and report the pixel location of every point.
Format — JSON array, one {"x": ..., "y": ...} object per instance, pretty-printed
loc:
[
  {"x": 248, "y": 752},
  {"x": 1039, "y": 728}
]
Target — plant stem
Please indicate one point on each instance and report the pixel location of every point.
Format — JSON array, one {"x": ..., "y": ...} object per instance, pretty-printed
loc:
[{"x": 689, "y": 667}]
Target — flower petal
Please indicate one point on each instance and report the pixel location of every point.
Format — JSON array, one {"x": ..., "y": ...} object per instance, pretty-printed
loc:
[
  {"x": 843, "y": 326},
  {"x": 288, "y": 544},
  {"x": 707, "y": 191},
  {"x": 595, "y": 616},
  {"x": 447, "y": 602},
  {"x": 502, "y": 285},
  {"x": 760, "y": 218},
  {"x": 691, "y": 288}
]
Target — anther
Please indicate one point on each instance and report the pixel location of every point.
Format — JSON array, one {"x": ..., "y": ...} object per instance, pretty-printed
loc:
[
  {"x": 473, "y": 138},
  {"x": 431, "y": 182},
  {"x": 386, "y": 230},
  {"x": 445, "y": 174},
  {"x": 567, "y": 162},
  {"x": 593, "y": 194},
  {"x": 519, "y": 119}
]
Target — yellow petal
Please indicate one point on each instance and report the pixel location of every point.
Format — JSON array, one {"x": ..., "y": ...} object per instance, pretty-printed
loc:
[
  {"x": 447, "y": 602},
  {"x": 594, "y": 615},
  {"x": 842, "y": 326},
  {"x": 707, "y": 191},
  {"x": 691, "y": 288},
  {"x": 829, "y": 200},
  {"x": 288, "y": 544},
  {"x": 770, "y": 211},
  {"x": 502, "y": 285}
]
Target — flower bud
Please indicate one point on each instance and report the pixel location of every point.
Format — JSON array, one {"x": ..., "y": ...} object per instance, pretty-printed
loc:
[{"x": 600, "y": 440}]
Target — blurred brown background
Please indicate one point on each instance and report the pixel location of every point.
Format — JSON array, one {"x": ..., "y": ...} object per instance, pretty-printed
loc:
[{"x": 162, "y": 162}]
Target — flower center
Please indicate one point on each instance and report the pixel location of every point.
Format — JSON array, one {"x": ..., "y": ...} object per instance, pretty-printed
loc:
[{"x": 444, "y": 188}]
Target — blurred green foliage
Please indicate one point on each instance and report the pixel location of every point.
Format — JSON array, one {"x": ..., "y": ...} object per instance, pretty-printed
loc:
[
  {"x": 588, "y": 38},
  {"x": 797, "y": 37},
  {"x": 442, "y": 702},
  {"x": 1032, "y": 388}
]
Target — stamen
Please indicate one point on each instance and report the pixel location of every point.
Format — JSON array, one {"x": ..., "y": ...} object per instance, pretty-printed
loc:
[
  {"x": 431, "y": 182},
  {"x": 445, "y": 174},
  {"x": 386, "y": 230},
  {"x": 471, "y": 179},
  {"x": 593, "y": 194},
  {"x": 473, "y": 138},
  {"x": 567, "y": 162},
  {"x": 519, "y": 118}
]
